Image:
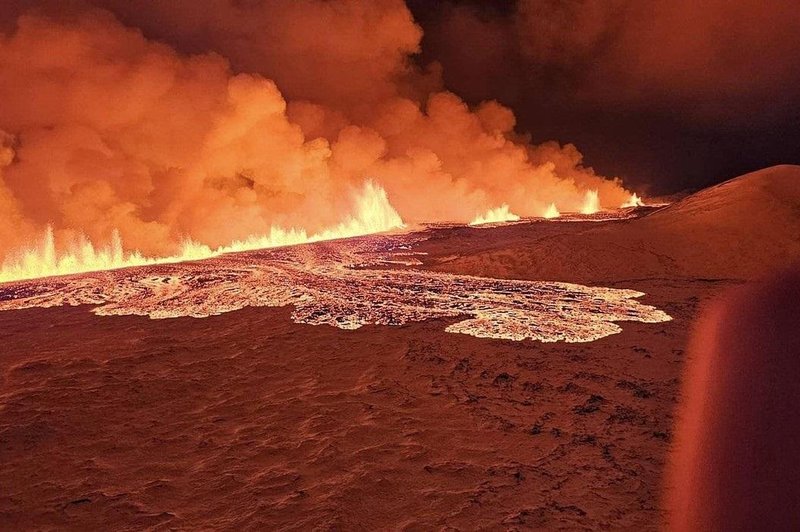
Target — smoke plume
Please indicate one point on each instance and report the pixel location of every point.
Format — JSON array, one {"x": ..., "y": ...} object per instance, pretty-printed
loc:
[
  {"x": 166, "y": 121},
  {"x": 713, "y": 61}
]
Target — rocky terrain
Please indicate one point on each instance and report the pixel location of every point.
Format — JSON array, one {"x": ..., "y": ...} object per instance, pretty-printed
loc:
[{"x": 250, "y": 420}]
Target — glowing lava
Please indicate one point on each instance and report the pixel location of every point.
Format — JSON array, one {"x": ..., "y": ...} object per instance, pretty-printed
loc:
[
  {"x": 499, "y": 215},
  {"x": 551, "y": 212},
  {"x": 633, "y": 201},
  {"x": 345, "y": 284},
  {"x": 373, "y": 214},
  {"x": 591, "y": 202}
]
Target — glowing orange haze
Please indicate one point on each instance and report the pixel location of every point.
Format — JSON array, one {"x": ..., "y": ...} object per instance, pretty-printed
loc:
[{"x": 107, "y": 136}]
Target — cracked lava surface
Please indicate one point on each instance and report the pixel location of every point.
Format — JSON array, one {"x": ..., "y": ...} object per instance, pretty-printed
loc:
[{"x": 346, "y": 284}]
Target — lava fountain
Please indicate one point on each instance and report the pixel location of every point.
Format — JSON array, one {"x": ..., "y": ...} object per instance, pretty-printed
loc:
[
  {"x": 372, "y": 214},
  {"x": 551, "y": 212},
  {"x": 591, "y": 202},
  {"x": 492, "y": 216},
  {"x": 633, "y": 201}
]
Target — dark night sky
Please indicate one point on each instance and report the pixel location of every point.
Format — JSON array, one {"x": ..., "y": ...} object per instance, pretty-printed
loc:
[{"x": 727, "y": 100}]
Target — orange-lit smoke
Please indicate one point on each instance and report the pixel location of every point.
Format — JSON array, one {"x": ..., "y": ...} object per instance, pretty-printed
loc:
[
  {"x": 719, "y": 62},
  {"x": 105, "y": 131}
]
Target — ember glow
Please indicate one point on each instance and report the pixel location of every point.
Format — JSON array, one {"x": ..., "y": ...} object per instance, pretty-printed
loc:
[
  {"x": 499, "y": 215},
  {"x": 342, "y": 284},
  {"x": 373, "y": 214}
]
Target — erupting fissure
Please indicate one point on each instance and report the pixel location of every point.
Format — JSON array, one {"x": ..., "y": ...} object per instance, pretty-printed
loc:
[
  {"x": 244, "y": 122},
  {"x": 372, "y": 214}
]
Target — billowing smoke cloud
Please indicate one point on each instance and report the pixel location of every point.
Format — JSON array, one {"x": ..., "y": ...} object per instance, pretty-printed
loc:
[
  {"x": 712, "y": 61},
  {"x": 710, "y": 58},
  {"x": 165, "y": 121}
]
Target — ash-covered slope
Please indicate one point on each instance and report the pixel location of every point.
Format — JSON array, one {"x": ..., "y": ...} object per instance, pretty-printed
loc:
[
  {"x": 763, "y": 206},
  {"x": 739, "y": 229}
]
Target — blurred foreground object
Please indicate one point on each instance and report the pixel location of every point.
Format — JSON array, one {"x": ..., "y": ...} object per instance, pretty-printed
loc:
[{"x": 736, "y": 462}]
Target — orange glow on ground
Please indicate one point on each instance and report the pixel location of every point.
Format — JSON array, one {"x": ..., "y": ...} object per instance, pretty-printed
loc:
[{"x": 345, "y": 284}]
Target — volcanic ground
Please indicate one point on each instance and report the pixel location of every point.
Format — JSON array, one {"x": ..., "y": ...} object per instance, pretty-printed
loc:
[{"x": 510, "y": 377}]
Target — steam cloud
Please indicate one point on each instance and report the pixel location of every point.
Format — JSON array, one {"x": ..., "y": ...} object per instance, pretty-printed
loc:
[
  {"x": 714, "y": 60},
  {"x": 167, "y": 121}
]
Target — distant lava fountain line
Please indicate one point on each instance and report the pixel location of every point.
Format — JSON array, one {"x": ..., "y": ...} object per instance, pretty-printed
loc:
[
  {"x": 372, "y": 214},
  {"x": 342, "y": 284}
]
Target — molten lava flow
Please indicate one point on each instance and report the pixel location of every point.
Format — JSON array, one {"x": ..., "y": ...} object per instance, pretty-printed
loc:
[
  {"x": 373, "y": 214},
  {"x": 633, "y": 201},
  {"x": 493, "y": 216},
  {"x": 551, "y": 212},
  {"x": 591, "y": 202},
  {"x": 342, "y": 284}
]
